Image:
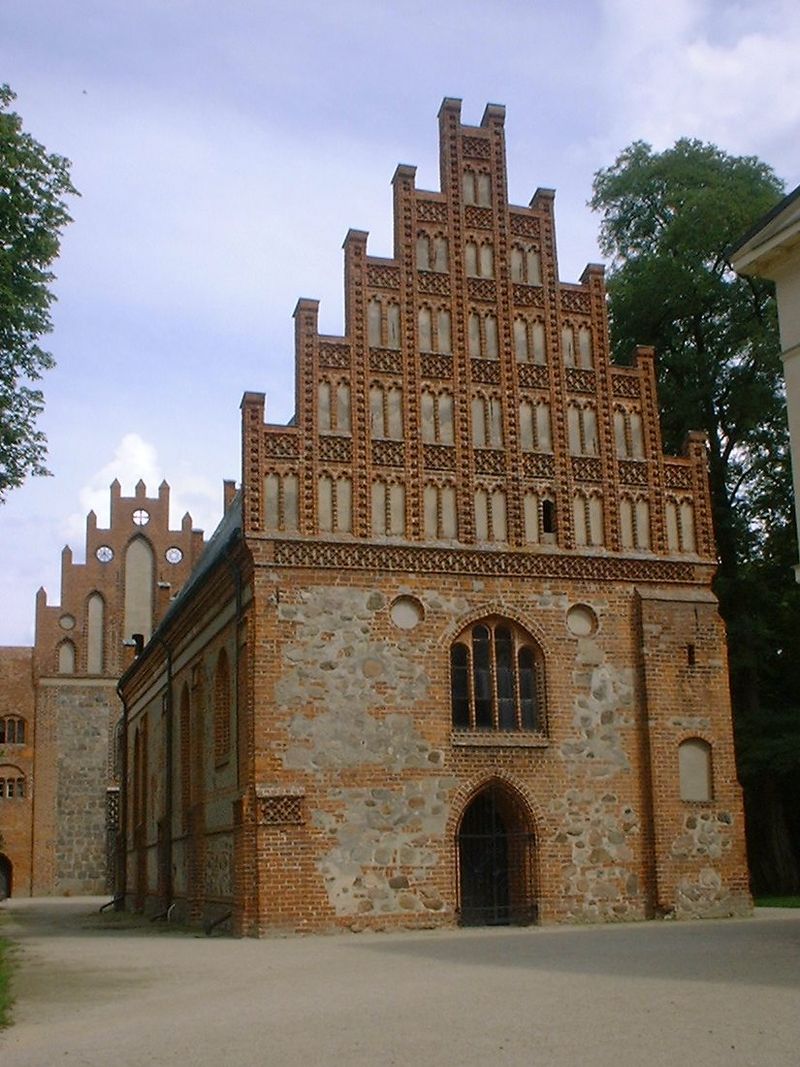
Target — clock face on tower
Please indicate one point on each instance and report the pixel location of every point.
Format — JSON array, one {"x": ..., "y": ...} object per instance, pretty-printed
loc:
[
  {"x": 173, "y": 554},
  {"x": 105, "y": 553}
]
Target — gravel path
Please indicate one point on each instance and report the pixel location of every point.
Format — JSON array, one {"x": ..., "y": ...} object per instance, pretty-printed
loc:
[{"x": 114, "y": 991}]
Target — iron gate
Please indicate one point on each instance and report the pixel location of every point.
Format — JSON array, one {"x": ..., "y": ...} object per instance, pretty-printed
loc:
[{"x": 495, "y": 852}]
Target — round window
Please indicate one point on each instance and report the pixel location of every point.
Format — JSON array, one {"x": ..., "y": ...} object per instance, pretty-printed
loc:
[{"x": 141, "y": 517}]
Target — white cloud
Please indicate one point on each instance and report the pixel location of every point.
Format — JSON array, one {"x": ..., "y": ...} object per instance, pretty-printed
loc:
[
  {"x": 135, "y": 459},
  {"x": 721, "y": 72}
]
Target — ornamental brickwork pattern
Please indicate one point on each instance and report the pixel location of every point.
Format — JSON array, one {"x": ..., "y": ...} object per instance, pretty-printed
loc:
[{"x": 470, "y": 310}]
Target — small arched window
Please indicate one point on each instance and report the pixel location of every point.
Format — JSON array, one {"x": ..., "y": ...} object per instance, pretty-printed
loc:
[
  {"x": 66, "y": 658},
  {"x": 12, "y": 784},
  {"x": 12, "y": 730},
  {"x": 694, "y": 770},
  {"x": 496, "y": 679}
]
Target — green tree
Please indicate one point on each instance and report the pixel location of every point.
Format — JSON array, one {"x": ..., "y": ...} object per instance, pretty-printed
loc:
[
  {"x": 668, "y": 220},
  {"x": 33, "y": 184}
]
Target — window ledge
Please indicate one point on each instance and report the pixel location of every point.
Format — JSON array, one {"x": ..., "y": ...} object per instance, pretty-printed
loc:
[{"x": 498, "y": 739}]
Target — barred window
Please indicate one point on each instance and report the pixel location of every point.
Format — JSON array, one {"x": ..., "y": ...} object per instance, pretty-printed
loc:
[
  {"x": 12, "y": 730},
  {"x": 12, "y": 784},
  {"x": 496, "y": 679}
]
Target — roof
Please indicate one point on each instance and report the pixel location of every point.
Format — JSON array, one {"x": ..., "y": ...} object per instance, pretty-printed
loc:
[{"x": 770, "y": 233}]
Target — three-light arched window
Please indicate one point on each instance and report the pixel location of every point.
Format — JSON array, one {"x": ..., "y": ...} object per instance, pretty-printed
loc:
[
  {"x": 497, "y": 678},
  {"x": 12, "y": 730}
]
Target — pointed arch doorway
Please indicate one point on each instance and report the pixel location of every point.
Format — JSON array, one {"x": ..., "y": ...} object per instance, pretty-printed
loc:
[{"x": 496, "y": 860}]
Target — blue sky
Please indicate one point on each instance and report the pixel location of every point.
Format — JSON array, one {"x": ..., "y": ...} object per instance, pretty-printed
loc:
[{"x": 223, "y": 150}]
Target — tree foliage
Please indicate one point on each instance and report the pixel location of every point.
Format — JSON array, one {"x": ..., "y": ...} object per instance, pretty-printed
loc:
[
  {"x": 668, "y": 220},
  {"x": 33, "y": 184}
]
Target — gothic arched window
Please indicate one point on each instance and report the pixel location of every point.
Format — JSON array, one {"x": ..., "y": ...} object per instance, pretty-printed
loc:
[{"x": 497, "y": 678}]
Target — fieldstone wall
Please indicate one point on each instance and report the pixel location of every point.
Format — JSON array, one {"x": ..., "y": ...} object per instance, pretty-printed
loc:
[{"x": 84, "y": 719}]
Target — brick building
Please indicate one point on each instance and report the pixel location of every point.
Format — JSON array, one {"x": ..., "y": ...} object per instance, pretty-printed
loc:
[
  {"x": 452, "y": 654},
  {"x": 59, "y": 787}
]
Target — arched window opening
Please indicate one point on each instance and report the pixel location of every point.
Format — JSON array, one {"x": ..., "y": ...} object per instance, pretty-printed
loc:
[
  {"x": 497, "y": 679},
  {"x": 393, "y": 326},
  {"x": 12, "y": 730},
  {"x": 526, "y": 266},
  {"x": 585, "y": 347},
  {"x": 439, "y": 512},
  {"x": 388, "y": 509},
  {"x": 222, "y": 709},
  {"x": 548, "y": 517},
  {"x": 139, "y": 588},
  {"x": 440, "y": 253},
  {"x": 185, "y": 755},
  {"x": 374, "y": 322},
  {"x": 66, "y": 658},
  {"x": 12, "y": 783},
  {"x": 695, "y": 770},
  {"x": 486, "y": 260},
  {"x": 95, "y": 634},
  {"x": 334, "y": 504},
  {"x": 423, "y": 252},
  {"x": 281, "y": 507}
]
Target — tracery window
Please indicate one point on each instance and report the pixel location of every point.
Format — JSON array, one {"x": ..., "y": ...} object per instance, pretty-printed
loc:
[
  {"x": 496, "y": 678},
  {"x": 12, "y": 730}
]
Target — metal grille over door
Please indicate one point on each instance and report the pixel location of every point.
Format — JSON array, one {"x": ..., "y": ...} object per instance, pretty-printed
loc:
[{"x": 495, "y": 850}]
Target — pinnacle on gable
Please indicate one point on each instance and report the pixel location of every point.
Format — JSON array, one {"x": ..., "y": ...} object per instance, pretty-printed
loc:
[
  {"x": 141, "y": 488},
  {"x": 494, "y": 113}
]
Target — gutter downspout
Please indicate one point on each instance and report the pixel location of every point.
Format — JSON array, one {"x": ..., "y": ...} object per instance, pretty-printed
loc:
[{"x": 236, "y": 571}]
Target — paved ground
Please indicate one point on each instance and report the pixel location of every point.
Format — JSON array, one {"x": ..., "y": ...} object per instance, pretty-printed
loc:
[{"x": 92, "y": 991}]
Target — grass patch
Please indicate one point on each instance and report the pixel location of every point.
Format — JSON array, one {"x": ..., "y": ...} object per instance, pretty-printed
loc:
[
  {"x": 6, "y": 999},
  {"x": 777, "y": 902}
]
